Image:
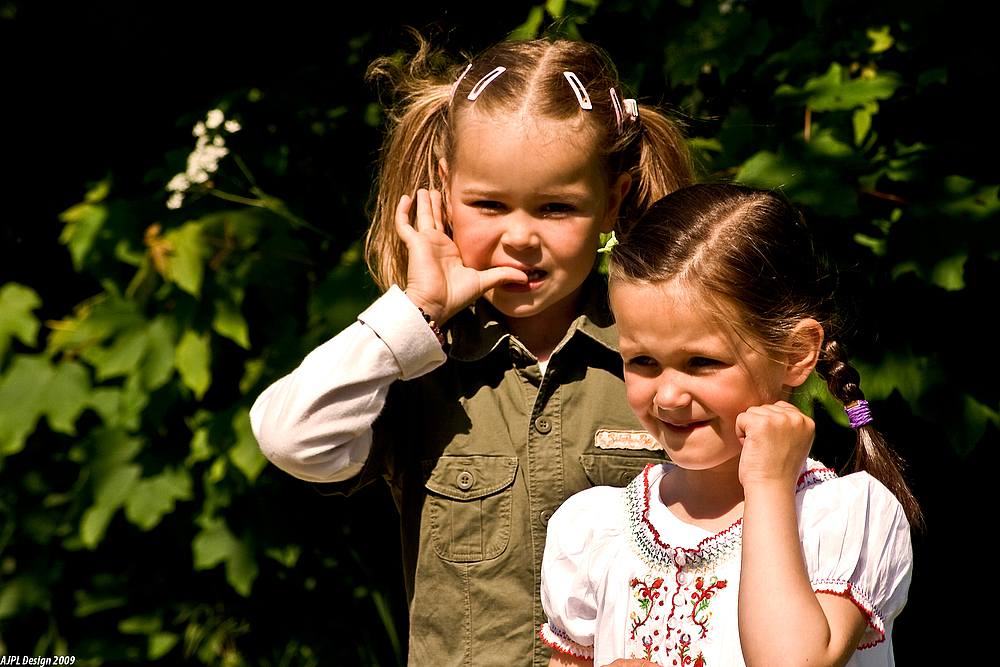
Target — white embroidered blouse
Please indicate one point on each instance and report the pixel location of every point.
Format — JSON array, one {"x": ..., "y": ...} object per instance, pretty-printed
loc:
[{"x": 622, "y": 577}]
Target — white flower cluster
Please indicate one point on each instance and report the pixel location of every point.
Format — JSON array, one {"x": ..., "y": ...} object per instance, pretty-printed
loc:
[{"x": 204, "y": 160}]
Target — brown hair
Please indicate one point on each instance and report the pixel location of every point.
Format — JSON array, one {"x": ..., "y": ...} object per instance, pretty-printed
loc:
[
  {"x": 749, "y": 252},
  {"x": 423, "y": 122}
]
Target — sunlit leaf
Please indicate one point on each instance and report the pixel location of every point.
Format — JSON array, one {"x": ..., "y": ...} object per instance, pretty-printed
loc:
[
  {"x": 154, "y": 497},
  {"x": 17, "y": 319},
  {"x": 193, "y": 359},
  {"x": 32, "y": 388},
  {"x": 881, "y": 38},
  {"x": 246, "y": 454},
  {"x": 189, "y": 251}
]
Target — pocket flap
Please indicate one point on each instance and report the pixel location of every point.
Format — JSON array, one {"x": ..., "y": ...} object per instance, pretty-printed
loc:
[
  {"x": 614, "y": 470},
  {"x": 469, "y": 477}
]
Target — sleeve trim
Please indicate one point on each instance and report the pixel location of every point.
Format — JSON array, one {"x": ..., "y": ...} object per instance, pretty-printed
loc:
[
  {"x": 560, "y": 641},
  {"x": 847, "y": 590}
]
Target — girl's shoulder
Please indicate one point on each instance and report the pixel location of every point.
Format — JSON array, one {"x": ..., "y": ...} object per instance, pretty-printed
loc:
[
  {"x": 857, "y": 506},
  {"x": 820, "y": 485}
]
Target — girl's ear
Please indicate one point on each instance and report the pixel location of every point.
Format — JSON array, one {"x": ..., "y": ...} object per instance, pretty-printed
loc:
[
  {"x": 616, "y": 195},
  {"x": 443, "y": 175},
  {"x": 804, "y": 345}
]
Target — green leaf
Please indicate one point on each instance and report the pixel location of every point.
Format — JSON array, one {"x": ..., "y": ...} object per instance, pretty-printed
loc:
[
  {"x": 230, "y": 323},
  {"x": 154, "y": 497},
  {"x": 116, "y": 484},
  {"x": 193, "y": 358},
  {"x": 17, "y": 319},
  {"x": 246, "y": 454},
  {"x": 881, "y": 38},
  {"x": 186, "y": 260},
  {"x": 216, "y": 544},
  {"x": 836, "y": 91},
  {"x": 32, "y": 388},
  {"x": 768, "y": 170},
  {"x": 84, "y": 222}
]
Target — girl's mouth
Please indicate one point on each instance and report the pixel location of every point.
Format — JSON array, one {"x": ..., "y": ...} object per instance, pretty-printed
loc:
[
  {"x": 683, "y": 429},
  {"x": 535, "y": 278}
]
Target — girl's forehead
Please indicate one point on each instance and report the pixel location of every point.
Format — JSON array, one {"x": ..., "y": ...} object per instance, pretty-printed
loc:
[{"x": 525, "y": 129}]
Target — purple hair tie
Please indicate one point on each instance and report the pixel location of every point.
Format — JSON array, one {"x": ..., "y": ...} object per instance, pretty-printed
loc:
[{"x": 858, "y": 414}]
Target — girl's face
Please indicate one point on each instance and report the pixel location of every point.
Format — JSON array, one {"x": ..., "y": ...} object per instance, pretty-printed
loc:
[
  {"x": 534, "y": 196},
  {"x": 687, "y": 377}
]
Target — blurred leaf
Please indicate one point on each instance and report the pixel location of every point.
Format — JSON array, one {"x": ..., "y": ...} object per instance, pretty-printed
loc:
[
  {"x": 83, "y": 222},
  {"x": 186, "y": 257},
  {"x": 17, "y": 319},
  {"x": 154, "y": 497},
  {"x": 246, "y": 454},
  {"x": 193, "y": 358},
  {"x": 216, "y": 544},
  {"x": 32, "y": 388}
]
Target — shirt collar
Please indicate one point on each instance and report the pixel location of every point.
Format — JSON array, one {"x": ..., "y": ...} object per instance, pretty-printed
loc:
[{"x": 479, "y": 330}]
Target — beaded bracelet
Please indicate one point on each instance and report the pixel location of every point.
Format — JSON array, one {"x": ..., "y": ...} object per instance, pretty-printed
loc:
[{"x": 433, "y": 325}]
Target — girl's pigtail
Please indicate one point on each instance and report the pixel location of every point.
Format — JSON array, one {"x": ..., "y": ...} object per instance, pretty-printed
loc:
[
  {"x": 661, "y": 164},
  {"x": 416, "y": 140},
  {"x": 871, "y": 453}
]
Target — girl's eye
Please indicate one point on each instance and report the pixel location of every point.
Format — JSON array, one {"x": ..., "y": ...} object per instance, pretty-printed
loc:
[
  {"x": 641, "y": 361},
  {"x": 704, "y": 362},
  {"x": 556, "y": 208},
  {"x": 489, "y": 206}
]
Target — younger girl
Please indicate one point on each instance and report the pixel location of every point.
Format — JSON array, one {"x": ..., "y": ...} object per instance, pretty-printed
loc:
[
  {"x": 497, "y": 180},
  {"x": 746, "y": 552}
]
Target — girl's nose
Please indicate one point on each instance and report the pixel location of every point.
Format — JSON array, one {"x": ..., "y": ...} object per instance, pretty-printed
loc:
[
  {"x": 671, "y": 395},
  {"x": 519, "y": 232}
]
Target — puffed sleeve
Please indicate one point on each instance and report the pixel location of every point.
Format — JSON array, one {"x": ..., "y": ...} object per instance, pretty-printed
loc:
[
  {"x": 856, "y": 543},
  {"x": 572, "y": 568}
]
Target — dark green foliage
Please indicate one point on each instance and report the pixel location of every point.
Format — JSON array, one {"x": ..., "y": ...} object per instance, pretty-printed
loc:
[{"x": 139, "y": 520}]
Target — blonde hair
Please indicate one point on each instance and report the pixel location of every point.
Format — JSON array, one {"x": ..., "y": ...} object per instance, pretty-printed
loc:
[{"x": 431, "y": 101}]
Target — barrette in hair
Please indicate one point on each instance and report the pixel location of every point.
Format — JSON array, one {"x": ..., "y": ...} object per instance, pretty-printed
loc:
[
  {"x": 858, "y": 413},
  {"x": 454, "y": 86},
  {"x": 478, "y": 89},
  {"x": 632, "y": 108},
  {"x": 610, "y": 243},
  {"x": 617, "y": 106},
  {"x": 581, "y": 93}
]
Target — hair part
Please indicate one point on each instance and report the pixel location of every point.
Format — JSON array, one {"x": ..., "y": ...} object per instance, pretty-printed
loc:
[
  {"x": 430, "y": 103},
  {"x": 749, "y": 254}
]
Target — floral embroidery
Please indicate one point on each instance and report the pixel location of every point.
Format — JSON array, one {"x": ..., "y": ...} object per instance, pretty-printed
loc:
[
  {"x": 686, "y": 624},
  {"x": 671, "y": 604}
]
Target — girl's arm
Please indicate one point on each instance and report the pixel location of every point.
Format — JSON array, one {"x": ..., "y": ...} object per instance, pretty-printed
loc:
[
  {"x": 782, "y": 621},
  {"x": 316, "y": 422}
]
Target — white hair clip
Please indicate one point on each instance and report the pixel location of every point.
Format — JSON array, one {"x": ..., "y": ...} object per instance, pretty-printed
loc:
[
  {"x": 454, "y": 86},
  {"x": 632, "y": 108},
  {"x": 478, "y": 89},
  {"x": 617, "y": 106},
  {"x": 581, "y": 93}
]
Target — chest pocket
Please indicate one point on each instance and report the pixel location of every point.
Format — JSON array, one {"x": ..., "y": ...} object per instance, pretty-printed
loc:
[
  {"x": 615, "y": 469},
  {"x": 469, "y": 505}
]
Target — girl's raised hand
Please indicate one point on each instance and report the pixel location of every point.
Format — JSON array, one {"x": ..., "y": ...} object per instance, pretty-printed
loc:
[
  {"x": 776, "y": 441},
  {"x": 436, "y": 279}
]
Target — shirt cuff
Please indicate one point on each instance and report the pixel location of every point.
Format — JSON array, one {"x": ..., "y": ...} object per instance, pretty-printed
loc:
[
  {"x": 560, "y": 641},
  {"x": 399, "y": 324}
]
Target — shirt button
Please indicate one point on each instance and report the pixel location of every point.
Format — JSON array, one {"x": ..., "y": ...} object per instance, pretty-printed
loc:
[
  {"x": 545, "y": 516},
  {"x": 627, "y": 477},
  {"x": 543, "y": 425},
  {"x": 465, "y": 480}
]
